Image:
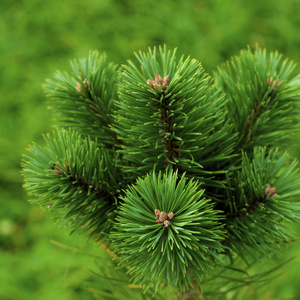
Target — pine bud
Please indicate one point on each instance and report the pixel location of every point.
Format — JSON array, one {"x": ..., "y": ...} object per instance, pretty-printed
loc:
[
  {"x": 270, "y": 191},
  {"x": 158, "y": 82},
  {"x": 157, "y": 212},
  {"x": 78, "y": 86},
  {"x": 170, "y": 215},
  {"x": 163, "y": 218},
  {"x": 60, "y": 171},
  {"x": 152, "y": 84},
  {"x": 165, "y": 82},
  {"x": 167, "y": 223},
  {"x": 275, "y": 83}
]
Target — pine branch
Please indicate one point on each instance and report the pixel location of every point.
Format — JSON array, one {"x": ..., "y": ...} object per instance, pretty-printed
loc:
[
  {"x": 75, "y": 178},
  {"x": 184, "y": 248},
  {"x": 263, "y": 98},
  {"x": 181, "y": 124},
  {"x": 85, "y": 99},
  {"x": 256, "y": 210}
]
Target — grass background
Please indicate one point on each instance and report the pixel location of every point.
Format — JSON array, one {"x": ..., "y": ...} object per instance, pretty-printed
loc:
[{"x": 39, "y": 37}]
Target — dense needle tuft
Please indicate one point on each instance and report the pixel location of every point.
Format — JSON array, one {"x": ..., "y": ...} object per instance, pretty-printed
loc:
[
  {"x": 77, "y": 178},
  {"x": 180, "y": 246}
]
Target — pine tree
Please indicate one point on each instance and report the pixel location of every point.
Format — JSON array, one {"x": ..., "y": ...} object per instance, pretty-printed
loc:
[{"x": 183, "y": 176}]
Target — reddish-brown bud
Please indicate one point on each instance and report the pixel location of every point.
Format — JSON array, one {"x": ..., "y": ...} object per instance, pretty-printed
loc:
[
  {"x": 152, "y": 84},
  {"x": 158, "y": 82},
  {"x": 273, "y": 82},
  {"x": 78, "y": 85},
  {"x": 165, "y": 82},
  {"x": 158, "y": 79},
  {"x": 167, "y": 223},
  {"x": 270, "y": 191},
  {"x": 60, "y": 171},
  {"x": 162, "y": 216},
  {"x": 157, "y": 212},
  {"x": 170, "y": 215}
]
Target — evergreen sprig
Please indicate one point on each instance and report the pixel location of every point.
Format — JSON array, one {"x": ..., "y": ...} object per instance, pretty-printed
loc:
[
  {"x": 84, "y": 100},
  {"x": 263, "y": 98},
  {"x": 182, "y": 125},
  {"x": 159, "y": 248},
  {"x": 264, "y": 196},
  {"x": 180, "y": 173},
  {"x": 77, "y": 178}
]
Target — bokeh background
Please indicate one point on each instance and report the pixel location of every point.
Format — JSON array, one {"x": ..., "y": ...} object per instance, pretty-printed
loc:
[{"x": 39, "y": 37}]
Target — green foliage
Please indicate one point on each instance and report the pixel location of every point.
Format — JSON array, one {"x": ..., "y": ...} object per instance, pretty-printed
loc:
[
  {"x": 182, "y": 125},
  {"x": 256, "y": 213},
  {"x": 260, "y": 89},
  {"x": 39, "y": 37},
  {"x": 169, "y": 124},
  {"x": 77, "y": 179},
  {"x": 177, "y": 252},
  {"x": 87, "y": 107}
]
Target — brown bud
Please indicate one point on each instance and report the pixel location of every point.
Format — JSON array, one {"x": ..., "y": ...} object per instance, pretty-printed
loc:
[
  {"x": 267, "y": 190},
  {"x": 86, "y": 83},
  {"x": 275, "y": 83},
  {"x": 165, "y": 82},
  {"x": 157, "y": 212},
  {"x": 167, "y": 223},
  {"x": 269, "y": 80},
  {"x": 59, "y": 169},
  {"x": 158, "y": 82},
  {"x": 170, "y": 215},
  {"x": 152, "y": 84},
  {"x": 158, "y": 79},
  {"x": 78, "y": 87},
  {"x": 162, "y": 216},
  {"x": 270, "y": 191}
]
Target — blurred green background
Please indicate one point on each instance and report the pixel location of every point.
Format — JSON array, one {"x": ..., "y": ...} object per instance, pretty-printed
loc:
[{"x": 39, "y": 37}]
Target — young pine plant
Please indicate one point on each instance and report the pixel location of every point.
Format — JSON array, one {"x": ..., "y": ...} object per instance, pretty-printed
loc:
[{"x": 184, "y": 176}]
